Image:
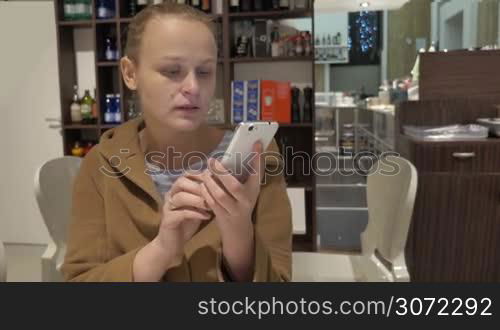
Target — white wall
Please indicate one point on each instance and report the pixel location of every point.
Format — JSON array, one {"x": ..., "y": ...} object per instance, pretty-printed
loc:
[
  {"x": 448, "y": 10},
  {"x": 29, "y": 100},
  {"x": 332, "y": 23},
  {"x": 85, "y": 54}
]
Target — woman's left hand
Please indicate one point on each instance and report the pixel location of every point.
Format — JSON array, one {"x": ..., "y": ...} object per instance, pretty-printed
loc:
[{"x": 232, "y": 203}]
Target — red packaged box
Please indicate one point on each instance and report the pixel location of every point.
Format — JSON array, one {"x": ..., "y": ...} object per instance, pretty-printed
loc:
[{"x": 276, "y": 101}]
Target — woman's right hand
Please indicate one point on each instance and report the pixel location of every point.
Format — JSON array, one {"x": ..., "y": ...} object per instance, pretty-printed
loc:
[{"x": 183, "y": 211}]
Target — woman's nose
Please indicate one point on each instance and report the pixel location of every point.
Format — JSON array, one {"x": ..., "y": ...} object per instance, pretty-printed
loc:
[{"x": 191, "y": 84}]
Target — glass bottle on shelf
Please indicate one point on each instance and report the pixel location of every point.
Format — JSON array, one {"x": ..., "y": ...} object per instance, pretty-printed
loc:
[
  {"x": 79, "y": 9},
  {"x": 75, "y": 111},
  {"x": 234, "y": 6},
  {"x": 117, "y": 109},
  {"x": 110, "y": 51},
  {"x": 108, "y": 112},
  {"x": 275, "y": 41},
  {"x": 132, "y": 8},
  {"x": 308, "y": 104},
  {"x": 196, "y": 4},
  {"x": 87, "y": 148},
  {"x": 94, "y": 108},
  {"x": 284, "y": 4},
  {"x": 275, "y": 5},
  {"x": 246, "y": 5},
  {"x": 141, "y": 4},
  {"x": 299, "y": 48},
  {"x": 206, "y": 6},
  {"x": 301, "y": 4},
  {"x": 105, "y": 9},
  {"x": 295, "y": 104},
  {"x": 69, "y": 10},
  {"x": 77, "y": 150},
  {"x": 86, "y": 108},
  {"x": 306, "y": 36},
  {"x": 259, "y": 5}
]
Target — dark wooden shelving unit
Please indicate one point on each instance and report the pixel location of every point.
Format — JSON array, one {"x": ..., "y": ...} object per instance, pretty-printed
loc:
[
  {"x": 111, "y": 63},
  {"x": 107, "y": 20},
  {"x": 109, "y": 81},
  {"x": 80, "y": 24},
  {"x": 273, "y": 14},
  {"x": 80, "y": 126},
  {"x": 271, "y": 59}
]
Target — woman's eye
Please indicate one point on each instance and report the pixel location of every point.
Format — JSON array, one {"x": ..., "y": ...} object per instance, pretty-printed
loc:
[
  {"x": 204, "y": 72},
  {"x": 171, "y": 72}
]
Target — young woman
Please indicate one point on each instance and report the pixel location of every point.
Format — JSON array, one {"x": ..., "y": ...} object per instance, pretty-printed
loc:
[{"x": 138, "y": 218}]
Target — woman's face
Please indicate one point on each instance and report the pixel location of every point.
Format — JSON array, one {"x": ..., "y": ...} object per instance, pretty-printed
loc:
[{"x": 175, "y": 76}]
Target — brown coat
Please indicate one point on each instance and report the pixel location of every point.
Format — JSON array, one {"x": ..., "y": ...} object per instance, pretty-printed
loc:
[{"x": 116, "y": 214}]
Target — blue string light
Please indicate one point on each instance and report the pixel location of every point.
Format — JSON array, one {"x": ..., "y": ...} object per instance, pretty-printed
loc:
[{"x": 367, "y": 31}]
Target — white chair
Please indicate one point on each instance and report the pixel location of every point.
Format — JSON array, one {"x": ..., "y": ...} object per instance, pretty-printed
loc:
[
  {"x": 390, "y": 207},
  {"x": 53, "y": 189},
  {"x": 3, "y": 264}
]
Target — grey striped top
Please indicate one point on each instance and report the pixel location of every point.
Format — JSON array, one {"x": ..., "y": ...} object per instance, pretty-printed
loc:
[{"x": 164, "y": 180}]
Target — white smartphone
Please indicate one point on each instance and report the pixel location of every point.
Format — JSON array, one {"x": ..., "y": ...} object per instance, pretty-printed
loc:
[{"x": 236, "y": 157}]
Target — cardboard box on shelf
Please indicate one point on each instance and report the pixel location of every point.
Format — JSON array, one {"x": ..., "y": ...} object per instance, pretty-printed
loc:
[{"x": 276, "y": 101}]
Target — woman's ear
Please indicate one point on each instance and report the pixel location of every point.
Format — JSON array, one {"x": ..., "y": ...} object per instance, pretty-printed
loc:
[{"x": 129, "y": 72}]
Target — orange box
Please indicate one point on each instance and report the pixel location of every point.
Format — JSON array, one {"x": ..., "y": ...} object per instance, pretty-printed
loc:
[{"x": 276, "y": 101}]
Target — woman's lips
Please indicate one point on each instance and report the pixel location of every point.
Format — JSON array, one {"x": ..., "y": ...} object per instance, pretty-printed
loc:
[{"x": 187, "y": 108}]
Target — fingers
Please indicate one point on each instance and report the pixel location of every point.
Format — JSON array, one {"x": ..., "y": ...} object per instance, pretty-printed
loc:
[
  {"x": 217, "y": 193},
  {"x": 216, "y": 207},
  {"x": 184, "y": 199},
  {"x": 229, "y": 182},
  {"x": 188, "y": 183},
  {"x": 255, "y": 177},
  {"x": 176, "y": 217}
]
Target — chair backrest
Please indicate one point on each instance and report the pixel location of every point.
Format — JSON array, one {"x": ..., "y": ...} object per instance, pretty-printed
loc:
[
  {"x": 3, "y": 264},
  {"x": 391, "y": 192},
  {"x": 53, "y": 188}
]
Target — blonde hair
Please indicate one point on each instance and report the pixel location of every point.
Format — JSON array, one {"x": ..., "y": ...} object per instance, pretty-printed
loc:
[{"x": 138, "y": 24}]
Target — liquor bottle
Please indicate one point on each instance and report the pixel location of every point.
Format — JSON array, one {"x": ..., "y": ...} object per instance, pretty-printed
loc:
[
  {"x": 141, "y": 4},
  {"x": 77, "y": 150},
  {"x": 301, "y": 4},
  {"x": 295, "y": 105},
  {"x": 94, "y": 108},
  {"x": 75, "y": 111},
  {"x": 246, "y": 5},
  {"x": 86, "y": 108},
  {"x": 284, "y": 4},
  {"x": 105, "y": 9},
  {"x": 308, "y": 104},
  {"x": 69, "y": 10},
  {"x": 206, "y": 6},
  {"x": 234, "y": 6},
  {"x": 275, "y": 5},
  {"x": 258, "y": 5},
  {"x": 87, "y": 148},
  {"x": 108, "y": 112},
  {"x": 117, "y": 109},
  {"x": 109, "y": 51},
  {"x": 196, "y": 4},
  {"x": 83, "y": 9},
  {"x": 132, "y": 8},
  {"x": 79, "y": 10},
  {"x": 307, "y": 43},
  {"x": 275, "y": 41},
  {"x": 299, "y": 48}
]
